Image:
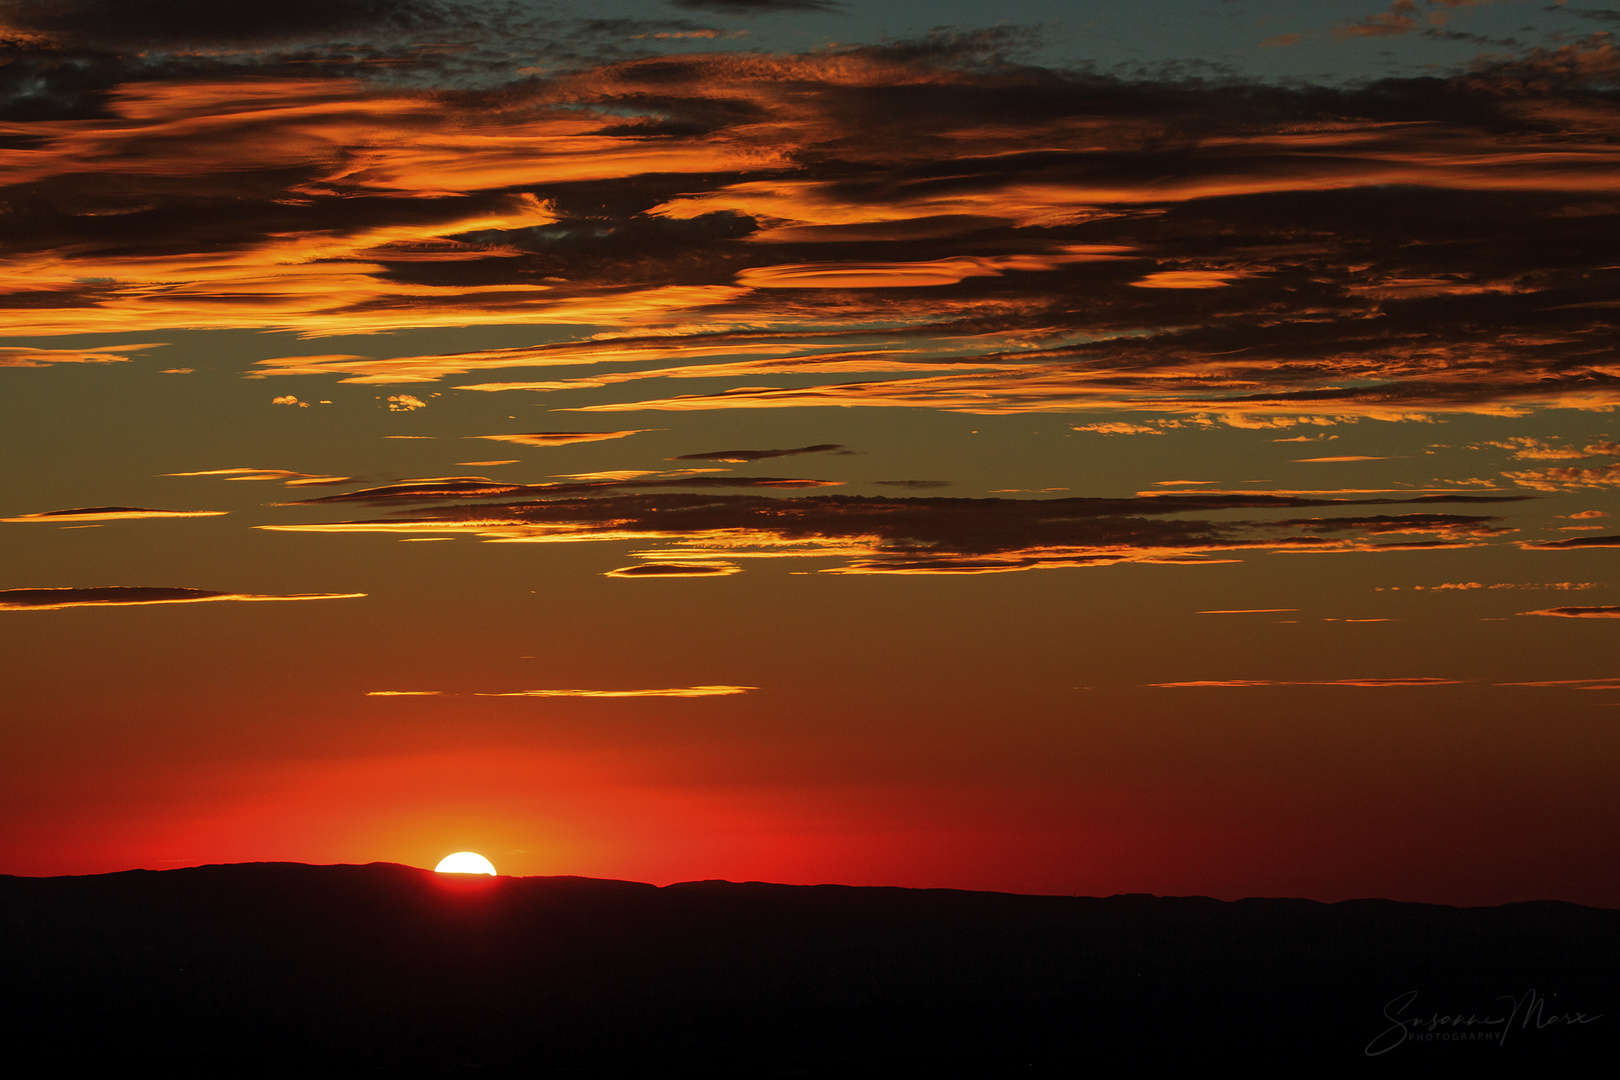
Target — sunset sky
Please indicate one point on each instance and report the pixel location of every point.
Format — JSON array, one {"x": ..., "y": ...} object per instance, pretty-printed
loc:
[{"x": 1162, "y": 447}]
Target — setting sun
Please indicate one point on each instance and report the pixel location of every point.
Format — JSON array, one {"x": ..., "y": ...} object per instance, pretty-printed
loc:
[{"x": 464, "y": 862}]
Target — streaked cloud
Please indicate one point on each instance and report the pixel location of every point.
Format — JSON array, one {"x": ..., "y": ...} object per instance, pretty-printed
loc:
[
  {"x": 675, "y": 692},
  {"x": 403, "y": 693},
  {"x": 1025, "y": 240},
  {"x": 870, "y": 535},
  {"x": 1314, "y": 682},
  {"x": 1341, "y": 457},
  {"x": 675, "y": 569},
  {"x": 1246, "y": 611},
  {"x": 759, "y": 455},
  {"x": 560, "y": 438},
  {"x": 287, "y": 477},
  {"x": 1465, "y": 586},
  {"x": 113, "y": 513},
  {"x": 1188, "y": 279},
  {"x": 121, "y": 595},
  {"x": 1568, "y": 478},
  {"x": 18, "y": 356},
  {"x": 1572, "y": 543},
  {"x": 1602, "y": 611},
  {"x": 444, "y": 488},
  {"x": 1116, "y": 427},
  {"x": 1571, "y": 684}
]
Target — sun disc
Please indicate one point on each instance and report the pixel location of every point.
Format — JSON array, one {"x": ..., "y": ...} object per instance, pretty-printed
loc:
[{"x": 464, "y": 862}]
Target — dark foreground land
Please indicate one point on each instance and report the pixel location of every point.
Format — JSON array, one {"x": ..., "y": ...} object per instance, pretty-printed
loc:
[{"x": 286, "y": 969}]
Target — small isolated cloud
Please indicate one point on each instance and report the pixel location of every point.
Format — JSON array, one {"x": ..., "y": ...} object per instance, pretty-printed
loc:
[
  {"x": 1401, "y": 18},
  {"x": 1341, "y": 457},
  {"x": 1187, "y": 279},
  {"x": 123, "y": 595},
  {"x": 288, "y": 399},
  {"x": 1586, "y": 514},
  {"x": 403, "y": 403},
  {"x": 1119, "y": 428},
  {"x": 113, "y": 513},
  {"x": 402, "y": 693},
  {"x": 680, "y": 692},
  {"x": 758, "y": 7},
  {"x": 741, "y": 456},
  {"x": 1315, "y": 682},
  {"x": 1602, "y": 611},
  {"x": 559, "y": 438},
  {"x": 1281, "y": 41},
  {"x": 21, "y": 356},
  {"x": 1308, "y": 438},
  {"x": 674, "y": 569},
  {"x": 913, "y": 485},
  {"x": 176, "y": 371}
]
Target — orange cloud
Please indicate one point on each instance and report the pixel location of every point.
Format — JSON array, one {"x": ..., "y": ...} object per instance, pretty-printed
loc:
[
  {"x": 675, "y": 569},
  {"x": 17, "y": 356},
  {"x": 1593, "y": 612},
  {"x": 1187, "y": 279},
  {"x": 1572, "y": 543},
  {"x": 1343, "y": 457},
  {"x": 560, "y": 438},
  {"x": 881, "y": 535},
  {"x": 1024, "y": 242},
  {"x": 677, "y": 692},
  {"x": 835, "y": 275},
  {"x": 286, "y": 476},
  {"x": 1568, "y": 477},
  {"x": 1315, "y": 682},
  {"x": 113, "y": 513},
  {"x": 54, "y": 599}
]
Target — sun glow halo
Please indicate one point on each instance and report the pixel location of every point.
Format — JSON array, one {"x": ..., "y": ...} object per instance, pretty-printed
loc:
[{"x": 464, "y": 862}]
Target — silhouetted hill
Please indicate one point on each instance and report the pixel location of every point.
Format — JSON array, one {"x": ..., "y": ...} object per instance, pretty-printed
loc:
[{"x": 289, "y": 969}]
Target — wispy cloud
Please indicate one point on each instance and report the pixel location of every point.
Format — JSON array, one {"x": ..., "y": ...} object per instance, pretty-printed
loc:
[
  {"x": 1314, "y": 682},
  {"x": 122, "y": 595},
  {"x": 1026, "y": 239},
  {"x": 872, "y": 535},
  {"x": 17, "y": 356},
  {"x": 560, "y": 438},
  {"x": 1571, "y": 684},
  {"x": 1572, "y": 543},
  {"x": 1602, "y": 611},
  {"x": 759, "y": 455},
  {"x": 675, "y": 692},
  {"x": 288, "y": 477},
  {"x": 674, "y": 570},
  {"x": 113, "y": 513}
]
